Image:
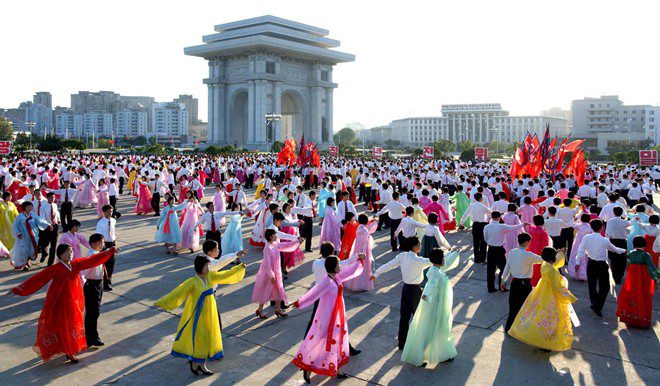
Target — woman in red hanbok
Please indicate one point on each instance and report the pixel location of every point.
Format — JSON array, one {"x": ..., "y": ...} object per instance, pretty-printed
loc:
[
  {"x": 540, "y": 240},
  {"x": 635, "y": 302},
  {"x": 325, "y": 348},
  {"x": 350, "y": 230},
  {"x": 61, "y": 328},
  {"x": 143, "y": 204}
]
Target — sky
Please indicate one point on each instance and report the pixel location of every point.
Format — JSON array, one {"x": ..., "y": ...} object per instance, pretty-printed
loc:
[{"x": 411, "y": 57}]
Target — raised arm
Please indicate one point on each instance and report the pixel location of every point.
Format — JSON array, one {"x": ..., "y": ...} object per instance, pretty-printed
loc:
[
  {"x": 34, "y": 283},
  {"x": 314, "y": 294},
  {"x": 176, "y": 297},
  {"x": 287, "y": 246},
  {"x": 229, "y": 276},
  {"x": 84, "y": 263},
  {"x": 352, "y": 271}
]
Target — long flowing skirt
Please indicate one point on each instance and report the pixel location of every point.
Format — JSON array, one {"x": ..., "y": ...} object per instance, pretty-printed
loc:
[
  {"x": 103, "y": 200},
  {"x": 190, "y": 234},
  {"x": 232, "y": 239},
  {"x": 649, "y": 248},
  {"x": 86, "y": 197},
  {"x": 143, "y": 204},
  {"x": 635, "y": 303},
  {"x": 292, "y": 259},
  {"x": 428, "y": 243}
]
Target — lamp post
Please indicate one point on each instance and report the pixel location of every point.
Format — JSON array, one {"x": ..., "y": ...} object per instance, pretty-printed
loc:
[
  {"x": 30, "y": 126},
  {"x": 270, "y": 131}
]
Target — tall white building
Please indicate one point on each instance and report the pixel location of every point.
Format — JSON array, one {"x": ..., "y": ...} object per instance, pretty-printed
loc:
[
  {"x": 67, "y": 123},
  {"x": 97, "y": 124},
  {"x": 169, "y": 119},
  {"x": 131, "y": 122},
  {"x": 651, "y": 121},
  {"x": 478, "y": 123}
]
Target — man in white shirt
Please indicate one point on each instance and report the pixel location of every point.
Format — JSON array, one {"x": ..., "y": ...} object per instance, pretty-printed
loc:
[
  {"x": 520, "y": 265},
  {"x": 302, "y": 201},
  {"x": 394, "y": 211},
  {"x": 106, "y": 227},
  {"x": 48, "y": 236},
  {"x": 412, "y": 273},
  {"x": 93, "y": 292},
  {"x": 494, "y": 234},
  {"x": 607, "y": 212},
  {"x": 211, "y": 221},
  {"x": 617, "y": 232},
  {"x": 344, "y": 206},
  {"x": 408, "y": 226},
  {"x": 595, "y": 247},
  {"x": 480, "y": 214}
]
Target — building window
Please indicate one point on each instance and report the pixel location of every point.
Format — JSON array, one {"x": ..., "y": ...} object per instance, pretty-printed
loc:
[
  {"x": 270, "y": 67},
  {"x": 324, "y": 76},
  {"x": 591, "y": 106}
]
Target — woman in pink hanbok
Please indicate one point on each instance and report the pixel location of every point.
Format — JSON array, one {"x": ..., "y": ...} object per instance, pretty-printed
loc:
[
  {"x": 511, "y": 238},
  {"x": 331, "y": 228},
  {"x": 74, "y": 239},
  {"x": 527, "y": 212},
  {"x": 189, "y": 232},
  {"x": 325, "y": 348},
  {"x": 103, "y": 198},
  {"x": 143, "y": 204},
  {"x": 87, "y": 195},
  {"x": 363, "y": 243},
  {"x": 220, "y": 201},
  {"x": 291, "y": 259},
  {"x": 577, "y": 269},
  {"x": 268, "y": 286}
]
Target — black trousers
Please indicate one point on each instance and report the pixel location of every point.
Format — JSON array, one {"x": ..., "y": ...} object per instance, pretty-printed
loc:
[
  {"x": 496, "y": 259},
  {"x": 410, "y": 295},
  {"x": 93, "y": 291},
  {"x": 113, "y": 203},
  {"x": 249, "y": 181},
  {"x": 557, "y": 241},
  {"x": 215, "y": 236},
  {"x": 479, "y": 241},
  {"x": 394, "y": 223},
  {"x": 109, "y": 266},
  {"x": 47, "y": 243},
  {"x": 66, "y": 214},
  {"x": 155, "y": 202},
  {"x": 520, "y": 289},
  {"x": 306, "y": 232},
  {"x": 598, "y": 278},
  {"x": 121, "y": 185},
  {"x": 383, "y": 219},
  {"x": 618, "y": 261},
  {"x": 567, "y": 236}
]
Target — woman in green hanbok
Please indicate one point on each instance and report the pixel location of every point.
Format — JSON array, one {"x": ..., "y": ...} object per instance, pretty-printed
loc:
[
  {"x": 429, "y": 337},
  {"x": 461, "y": 201}
]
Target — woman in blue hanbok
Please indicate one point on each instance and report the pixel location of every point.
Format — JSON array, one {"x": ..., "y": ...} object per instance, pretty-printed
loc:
[
  {"x": 324, "y": 193},
  {"x": 232, "y": 239},
  {"x": 168, "y": 230},
  {"x": 635, "y": 219},
  {"x": 429, "y": 337},
  {"x": 26, "y": 230}
]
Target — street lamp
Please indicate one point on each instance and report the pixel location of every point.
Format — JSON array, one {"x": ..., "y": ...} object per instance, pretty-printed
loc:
[
  {"x": 270, "y": 131},
  {"x": 30, "y": 126}
]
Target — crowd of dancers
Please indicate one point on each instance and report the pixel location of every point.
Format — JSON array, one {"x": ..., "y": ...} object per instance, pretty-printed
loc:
[{"x": 532, "y": 233}]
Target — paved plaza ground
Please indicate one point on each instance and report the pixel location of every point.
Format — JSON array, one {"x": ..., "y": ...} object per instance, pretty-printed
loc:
[{"x": 138, "y": 336}]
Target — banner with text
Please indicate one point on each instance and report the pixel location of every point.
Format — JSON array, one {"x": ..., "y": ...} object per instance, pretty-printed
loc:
[
  {"x": 648, "y": 157},
  {"x": 334, "y": 151},
  {"x": 480, "y": 153},
  {"x": 428, "y": 152},
  {"x": 5, "y": 147},
  {"x": 377, "y": 152}
]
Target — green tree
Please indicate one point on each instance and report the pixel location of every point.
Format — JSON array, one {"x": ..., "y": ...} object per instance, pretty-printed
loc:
[
  {"x": 21, "y": 143},
  {"x": 417, "y": 152},
  {"x": 624, "y": 157},
  {"x": 6, "y": 129},
  {"x": 466, "y": 145},
  {"x": 392, "y": 144},
  {"x": 153, "y": 141},
  {"x": 103, "y": 143},
  {"x": 467, "y": 155},
  {"x": 344, "y": 136},
  {"x": 277, "y": 146},
  {"x": 212, "y": 150},
  {"x": 73, "y": 144},
  {"x": 444, "y": 146}
]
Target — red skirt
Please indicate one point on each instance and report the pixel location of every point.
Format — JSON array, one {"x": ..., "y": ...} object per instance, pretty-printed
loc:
[
  {"x": 635, "y": 303},
  {"x": 649, "y": 248}
]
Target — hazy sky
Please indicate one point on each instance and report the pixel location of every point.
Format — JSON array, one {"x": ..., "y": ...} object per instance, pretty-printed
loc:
[{"x": 411, "y": 57}]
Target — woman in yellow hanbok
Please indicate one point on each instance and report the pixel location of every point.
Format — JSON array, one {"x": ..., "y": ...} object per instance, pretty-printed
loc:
[
  {"x": 8, "y": 213},
  {"x": 198, "y": 337},
  {"x": 131, "y": 179},
  {"x": 544, "y": 320}
]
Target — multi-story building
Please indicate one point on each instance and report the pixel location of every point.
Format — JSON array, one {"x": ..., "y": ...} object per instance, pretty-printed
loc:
[
  {"x": 478, "y": 123},
  {"x": 651, "y": 129},
  {"x": 16, "y": 117},
  {"x": 131, "y": 122},
  {"x": 558, "y": 112},
  {"x": 97, "y": 124},
  {"x": 40, "y": 115},
  {"x": 43, "y": 98},
  {"x": 191, "y": 105},
  {"x": 67, "y": 123},
  {"x": 169, "y": 119},
  {"x": 607, "y": 119},
  {"x": 199, "y": 132},
  {"x": 86, "y": 101}
]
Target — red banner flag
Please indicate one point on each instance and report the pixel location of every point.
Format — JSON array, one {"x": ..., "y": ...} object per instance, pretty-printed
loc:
[
  {"x": 427, "y": 152},
  {"x": 334, "y": 151},
  {"x": 646, "y": 157},
  {"x": 481, "y": 153},
  {"x": 5, "y": 147},
  {"x": 377, "y": 152}
]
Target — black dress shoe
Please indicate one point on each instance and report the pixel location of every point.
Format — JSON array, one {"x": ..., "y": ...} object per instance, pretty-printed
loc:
[
  {"x": 190, "y": 363},
  {"x": 204, "y": 371},
  {"x": 72, "y": 360},
  {"x": 306, "y": 375},
  {"x": 354, "y": 352},
  {"x": 96, "y": 343},
  {"x": 341, "y": 376},
  {"x": 107, "y": 288},
  {"x": 491, "y": 290}
]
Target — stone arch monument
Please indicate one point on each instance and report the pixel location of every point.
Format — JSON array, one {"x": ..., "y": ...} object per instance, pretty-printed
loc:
[{"x": 269, "y": 65}]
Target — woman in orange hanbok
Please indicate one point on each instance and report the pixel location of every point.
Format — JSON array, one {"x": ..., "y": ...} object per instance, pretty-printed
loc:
[{"x": 350, "y": 230}]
